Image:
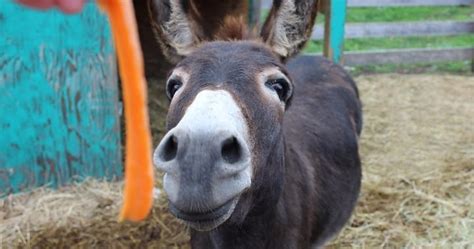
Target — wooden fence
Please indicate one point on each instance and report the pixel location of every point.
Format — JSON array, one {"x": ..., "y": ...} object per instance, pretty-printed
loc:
[{"x": 396, "y": 29}]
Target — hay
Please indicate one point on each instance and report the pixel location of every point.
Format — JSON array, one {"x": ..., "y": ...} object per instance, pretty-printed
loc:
[
  {"x": 417, "y": 149},
  {"x": 84, "y": 216}
]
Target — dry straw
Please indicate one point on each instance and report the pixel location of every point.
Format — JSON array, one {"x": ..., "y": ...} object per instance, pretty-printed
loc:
[{"x": 418, "y": 154}]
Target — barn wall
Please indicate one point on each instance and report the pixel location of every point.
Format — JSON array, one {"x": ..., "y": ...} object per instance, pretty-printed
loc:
[{"x": 59, "y": 109}]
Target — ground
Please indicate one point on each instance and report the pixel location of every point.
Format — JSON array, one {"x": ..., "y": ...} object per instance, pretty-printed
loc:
[{"x": 417, "y": 149}]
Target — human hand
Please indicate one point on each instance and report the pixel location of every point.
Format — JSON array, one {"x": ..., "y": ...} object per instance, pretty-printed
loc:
[{"x": 67, "y": 6}]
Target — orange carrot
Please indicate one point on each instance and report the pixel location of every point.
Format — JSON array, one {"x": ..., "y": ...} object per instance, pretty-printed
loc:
[{"x": 138, "y": 192}]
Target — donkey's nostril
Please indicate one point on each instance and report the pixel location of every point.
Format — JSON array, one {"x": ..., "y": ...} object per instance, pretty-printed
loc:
[
  {"x": 170, "y": 148},
  {"x": 231, "y": 150}
]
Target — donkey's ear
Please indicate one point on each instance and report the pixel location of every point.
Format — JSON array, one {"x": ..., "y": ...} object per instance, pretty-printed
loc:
[
  {"x": 173, "y": 30},
  {"x": 289, "y": 25}
]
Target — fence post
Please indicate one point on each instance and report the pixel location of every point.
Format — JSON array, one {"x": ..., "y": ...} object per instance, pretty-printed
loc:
[{"x": 335, "y": 19}]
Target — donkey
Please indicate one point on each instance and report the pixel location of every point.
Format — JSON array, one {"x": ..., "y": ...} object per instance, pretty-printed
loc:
[{"x": 258, "y": 154}]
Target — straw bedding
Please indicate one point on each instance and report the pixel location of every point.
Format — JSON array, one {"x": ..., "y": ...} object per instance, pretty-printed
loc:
[{"x": 417, "y": 149}]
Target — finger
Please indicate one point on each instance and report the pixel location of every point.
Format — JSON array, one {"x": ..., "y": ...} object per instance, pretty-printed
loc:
[
  {"x": 70, "y": 6},
  {"x": 38, "y": 4}
]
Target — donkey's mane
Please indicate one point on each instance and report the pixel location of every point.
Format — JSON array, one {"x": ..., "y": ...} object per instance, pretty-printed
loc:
[{"x": 235, "y": 28}]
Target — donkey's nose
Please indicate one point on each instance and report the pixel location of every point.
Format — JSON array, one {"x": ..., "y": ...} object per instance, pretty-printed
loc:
[
  {"x": 203, "y": 168},
  {"x": 169, "y": 149},
  {"x": 221, "y": 152},
  {"x": 231, "y": 150}
]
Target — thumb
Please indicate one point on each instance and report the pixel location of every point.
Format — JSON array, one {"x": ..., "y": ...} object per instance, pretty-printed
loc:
[{"x": 70, "y": 6}]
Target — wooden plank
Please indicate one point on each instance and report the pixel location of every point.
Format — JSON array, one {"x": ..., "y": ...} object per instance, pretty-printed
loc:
[
  {"x": 323, "y": 6},
  {"x": 398, "y": 3},
  {"x": 327, "y": 29},
  {"x": 405, "y": 56},
  {"x": 59, "y": 111},
  {"x": 403, "y": 29}
]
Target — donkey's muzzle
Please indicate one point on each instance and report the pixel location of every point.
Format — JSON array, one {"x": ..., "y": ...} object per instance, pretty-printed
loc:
[
  {"x": 206, "y": 160},
  {"x": 204, "y": 171}
]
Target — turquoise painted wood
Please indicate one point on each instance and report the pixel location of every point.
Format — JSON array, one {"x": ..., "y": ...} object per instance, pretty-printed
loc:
[
  {"x": 59, "y": 109},
  {"x": 336, "y": 34}
]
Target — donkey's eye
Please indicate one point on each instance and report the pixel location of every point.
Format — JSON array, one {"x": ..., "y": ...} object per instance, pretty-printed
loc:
[
  {"x": 280, "y": 86},
  {"x": 172, "y": 87}
]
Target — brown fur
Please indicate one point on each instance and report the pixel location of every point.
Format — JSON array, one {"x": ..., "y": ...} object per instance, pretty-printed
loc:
[
  {"x": 233, "y": 28},
  {"x": 208, "y": 14}
]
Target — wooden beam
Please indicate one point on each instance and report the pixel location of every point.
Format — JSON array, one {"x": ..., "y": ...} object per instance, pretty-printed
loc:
[
  {"x": 406, "y": 56},
  {"x": 398, "y": 3},
  {"x": 323, "y": 6},
  {"x": 326, "y": 32},
  {"x": 428, "y": 28}
]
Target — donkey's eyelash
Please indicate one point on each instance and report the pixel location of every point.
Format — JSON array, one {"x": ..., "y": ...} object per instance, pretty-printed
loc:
[{"x": 174, "y": 77}]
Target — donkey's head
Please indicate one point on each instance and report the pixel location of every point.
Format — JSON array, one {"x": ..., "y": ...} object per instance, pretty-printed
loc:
[{"x": 223, "y": 154}]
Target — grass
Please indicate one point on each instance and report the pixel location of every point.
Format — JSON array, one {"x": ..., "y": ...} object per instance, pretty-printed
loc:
[
  {"x": 404, "y": 14},
  {"x": 451, "y": 67},
  {"x": 399, "y": 14},
  {"x": 398, "y": 42}
]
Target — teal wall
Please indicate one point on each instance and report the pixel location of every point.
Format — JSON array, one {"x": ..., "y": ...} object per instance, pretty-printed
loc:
[{"x": 59, "y": 108}]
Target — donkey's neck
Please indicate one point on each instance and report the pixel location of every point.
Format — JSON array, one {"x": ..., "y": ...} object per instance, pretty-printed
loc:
[{"x": 263, "y": 226}]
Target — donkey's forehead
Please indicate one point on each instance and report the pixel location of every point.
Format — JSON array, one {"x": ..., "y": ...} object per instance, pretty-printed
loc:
[
  {"x": 238, "y": 63},
  {"x": 229, "y": 56}
]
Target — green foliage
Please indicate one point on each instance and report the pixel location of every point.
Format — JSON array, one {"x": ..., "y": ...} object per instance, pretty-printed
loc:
[
  {"x": 456, "y": 67},
  {"x": 399, "y": 14},
  {"x": 398, "y": 42}
]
